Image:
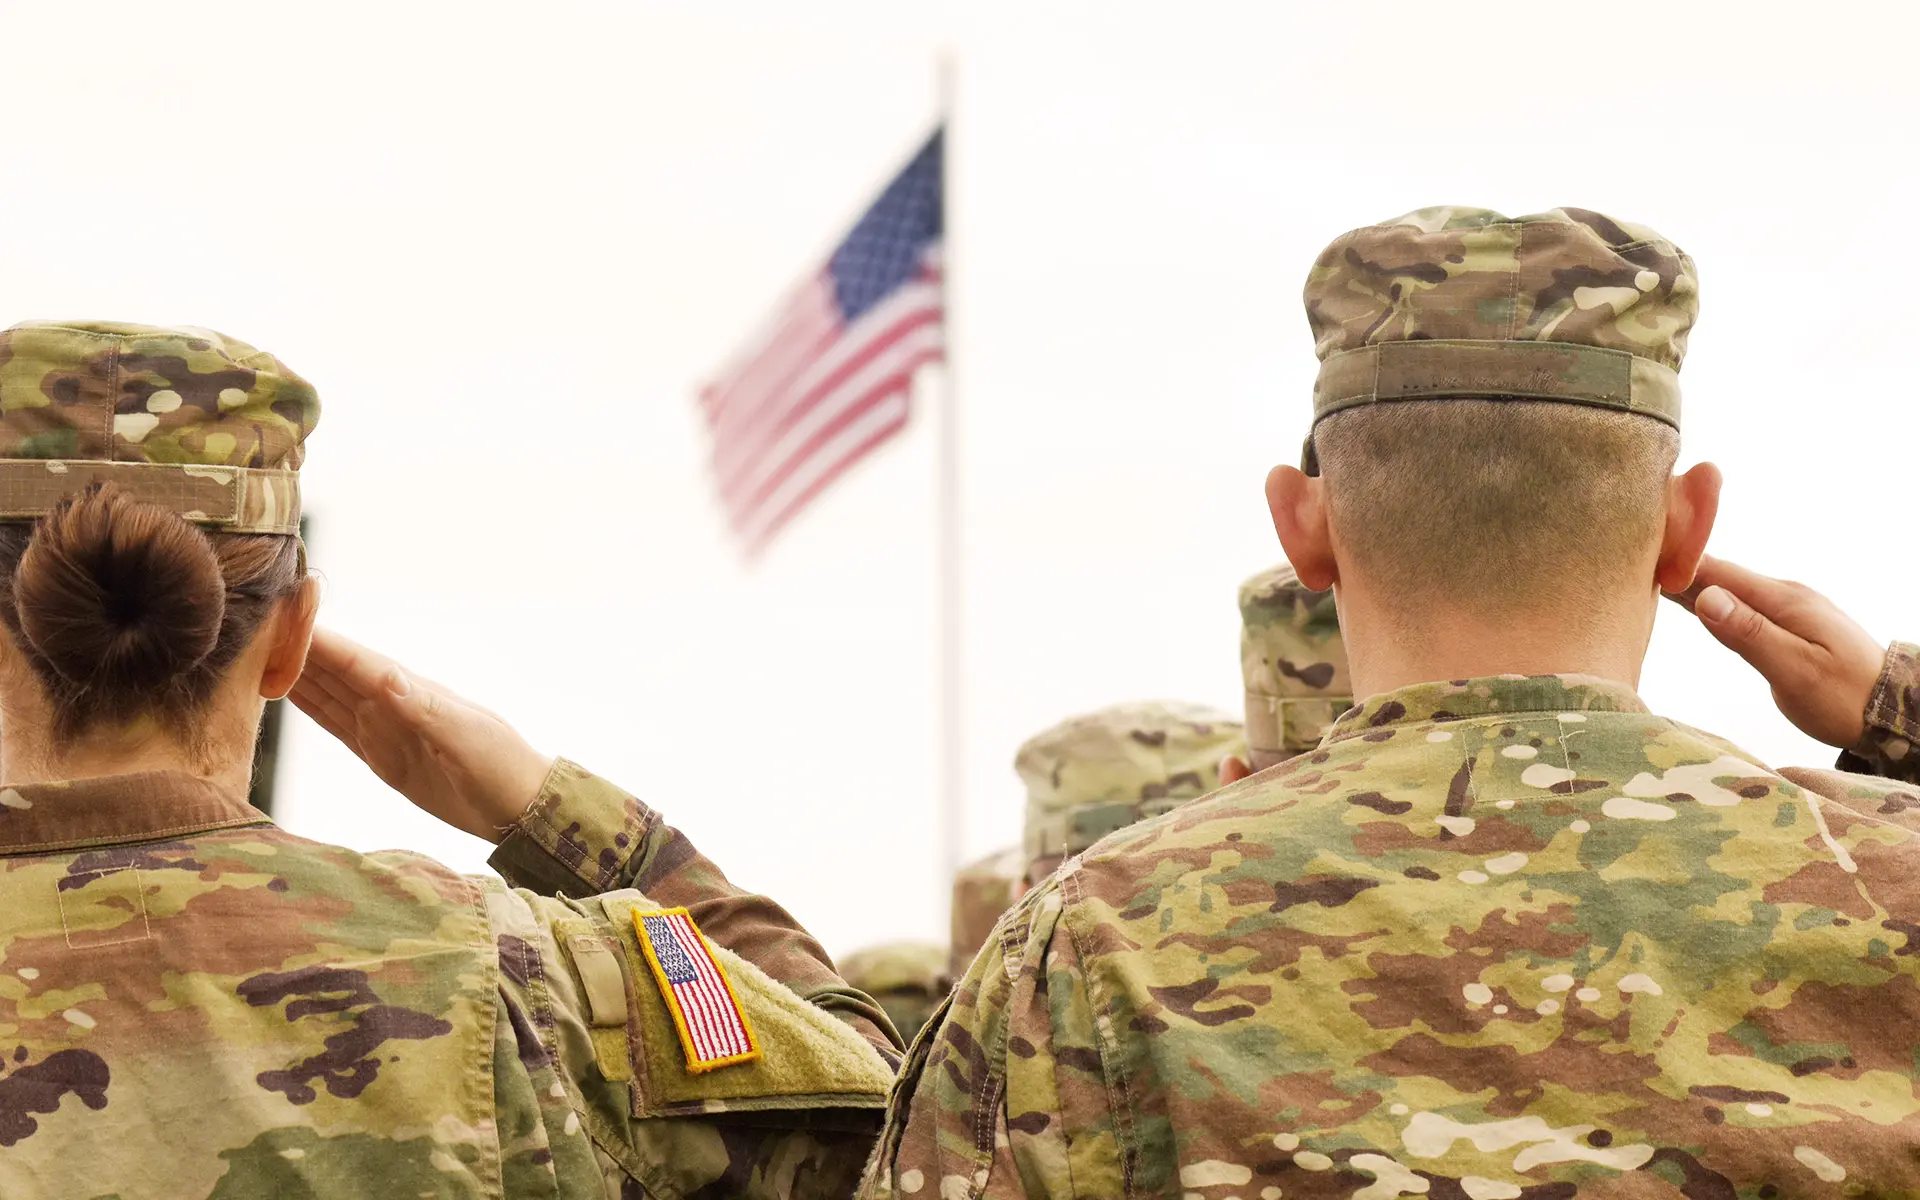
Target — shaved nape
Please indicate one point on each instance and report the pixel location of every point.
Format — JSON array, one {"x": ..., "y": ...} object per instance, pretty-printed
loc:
[{"x": 1496, "y": 507}]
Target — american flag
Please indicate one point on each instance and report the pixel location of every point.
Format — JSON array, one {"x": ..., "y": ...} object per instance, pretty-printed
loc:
[
  {"x": 828, "y": 380},
  {"x": 713, "y": 1027}
]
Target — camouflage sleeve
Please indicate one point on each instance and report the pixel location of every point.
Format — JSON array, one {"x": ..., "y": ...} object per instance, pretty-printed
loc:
[
  {"x": 593, "y": 1089},
  {"x": 584, "y": 836},
  {"x": 1004, "y": 1095},
  {"x": 1893, "y": 721}
]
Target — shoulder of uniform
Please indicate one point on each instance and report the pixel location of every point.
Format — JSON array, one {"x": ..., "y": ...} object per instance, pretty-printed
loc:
[{"x": 718, "y": 1034}]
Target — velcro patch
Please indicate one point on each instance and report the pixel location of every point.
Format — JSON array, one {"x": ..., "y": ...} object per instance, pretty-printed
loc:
[{"x": 713, "y": 1027}]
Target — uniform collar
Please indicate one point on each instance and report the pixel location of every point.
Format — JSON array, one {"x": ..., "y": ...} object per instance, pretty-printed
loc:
[
  {"x": 1496, "y": 695},
  {"x": 73, "y": 813}
]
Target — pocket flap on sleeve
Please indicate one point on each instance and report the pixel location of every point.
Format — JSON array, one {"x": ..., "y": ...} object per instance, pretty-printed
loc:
[{"x": 806, "y": 1058}]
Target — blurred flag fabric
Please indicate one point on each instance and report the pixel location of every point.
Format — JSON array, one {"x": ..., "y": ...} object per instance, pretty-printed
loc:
[{"x": 828, "y": 379}]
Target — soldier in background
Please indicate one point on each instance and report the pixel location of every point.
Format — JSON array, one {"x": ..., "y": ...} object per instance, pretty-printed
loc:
[
  {"x": 1085, "y": 778},
  {"x": 908, "y": 979},
  {"x": 1294, "y": 666},
  {"x": 1505, "y": 933},
  {"x": 1091, "y": 775},
  {"x": 982, "y": 890}
]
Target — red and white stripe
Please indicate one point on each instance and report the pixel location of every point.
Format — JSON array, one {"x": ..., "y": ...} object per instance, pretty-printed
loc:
[
  {"x": 714, "y": 1022},
  {"x": 813, "y": 396}
]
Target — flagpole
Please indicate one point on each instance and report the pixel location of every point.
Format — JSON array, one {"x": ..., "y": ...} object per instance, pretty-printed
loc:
[{"x": 948, "y": 577}]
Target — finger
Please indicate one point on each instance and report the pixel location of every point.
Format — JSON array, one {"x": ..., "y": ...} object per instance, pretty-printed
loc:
[
  {"x": 310, "y": 697},
  {"x": 349, "y": 705},
  {"x": 1746, "y": 631},
  {"x": 348, "y": 663},
  {"x": 343, "y": 732},
  {"x": 1233, "y": 769},
  {"x": 354, "y": 673},
  {"x": 1763, "y": 593}
]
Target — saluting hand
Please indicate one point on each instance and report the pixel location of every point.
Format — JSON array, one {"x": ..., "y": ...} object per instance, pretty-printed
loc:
[
  {"x": 1821, "y": 664},
  {"x": 450, "y": 757}
]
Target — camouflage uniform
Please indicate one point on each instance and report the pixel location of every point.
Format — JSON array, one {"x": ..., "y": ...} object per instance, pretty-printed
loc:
[
  {"x": 907, "y": 979},
  {"x": 194, "y": 1002},
  {"x": 1093, "y": 774},
  {"x": 1293, "y": 663},
  {"x": 982, "y": 890},
  {"x": 1496, "y": 938}
]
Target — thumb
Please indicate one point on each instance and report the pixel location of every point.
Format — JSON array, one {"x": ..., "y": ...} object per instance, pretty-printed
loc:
[{"x": 1742, "y": 629}]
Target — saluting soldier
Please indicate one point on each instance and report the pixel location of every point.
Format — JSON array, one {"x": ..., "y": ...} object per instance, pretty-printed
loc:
[
  {"x": 1504, "y": 933},
  {"x": 198, "y": 1003}
]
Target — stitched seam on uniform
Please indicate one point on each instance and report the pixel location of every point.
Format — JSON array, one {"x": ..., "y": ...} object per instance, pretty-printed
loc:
[
  {"x": 1513, "y": 313},
  {"x": 480, "y": 1081},
  {"x": 145, "y": 835},
  {"x": 1119, "y": 1100}
]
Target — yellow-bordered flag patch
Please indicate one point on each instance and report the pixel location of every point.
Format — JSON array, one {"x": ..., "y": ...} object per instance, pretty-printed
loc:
[{"x": 713, "y": 1027}]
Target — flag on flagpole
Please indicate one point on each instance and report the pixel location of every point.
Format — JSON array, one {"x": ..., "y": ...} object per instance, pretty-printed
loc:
[{"x": 828, "y": 380}]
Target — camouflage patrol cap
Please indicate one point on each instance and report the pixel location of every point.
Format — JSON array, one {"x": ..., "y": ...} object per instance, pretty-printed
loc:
[
  {"x": 982, "y": 890},
  {"x": 1293, "y": 663},
  {"x": 1449, "y": 303},
  {"x": 908, "y": 979},
  {"x": 1093, "y": 774},
  {"x": 192, "y": 420}
]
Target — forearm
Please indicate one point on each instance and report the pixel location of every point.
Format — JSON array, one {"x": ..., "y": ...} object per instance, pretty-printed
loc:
[
  {"x": 1890, "y": 746},
  {"x": 583, "y": 836}
]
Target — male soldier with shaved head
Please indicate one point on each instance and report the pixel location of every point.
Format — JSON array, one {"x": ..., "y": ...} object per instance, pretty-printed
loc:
[{"x": 1505, "y": 933}]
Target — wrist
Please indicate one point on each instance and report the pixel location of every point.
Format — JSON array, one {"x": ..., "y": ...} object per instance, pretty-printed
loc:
[{"x": 521, "y": 788}]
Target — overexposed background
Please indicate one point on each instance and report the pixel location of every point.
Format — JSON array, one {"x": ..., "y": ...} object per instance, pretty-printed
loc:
[{"x": 507, "y": 242}]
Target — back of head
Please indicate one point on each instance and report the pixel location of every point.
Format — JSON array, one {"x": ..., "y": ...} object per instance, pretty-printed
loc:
[
  {"x": 1293, "y": 663},
  {"x": 1091, "y": 775},
  {"x": 149, "y": 511},
  {"x": 1554, "y": 341}
]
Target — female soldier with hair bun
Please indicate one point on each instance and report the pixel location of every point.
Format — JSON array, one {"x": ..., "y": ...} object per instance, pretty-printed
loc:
[{"x": 194, "y": 1002}]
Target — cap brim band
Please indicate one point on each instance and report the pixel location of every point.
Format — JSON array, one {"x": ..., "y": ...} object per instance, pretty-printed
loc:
[
  {"x": 225, "y": 499},
  {"x": 1442, "y": 370}
]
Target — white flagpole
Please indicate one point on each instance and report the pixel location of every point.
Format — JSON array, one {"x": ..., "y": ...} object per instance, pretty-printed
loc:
[{"x": 952, "y": 754}]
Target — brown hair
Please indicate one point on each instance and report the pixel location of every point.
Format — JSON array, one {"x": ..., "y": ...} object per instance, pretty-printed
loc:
[
  {"x": 125, "y": 609},
  {"x": 1500, "y": 505}
]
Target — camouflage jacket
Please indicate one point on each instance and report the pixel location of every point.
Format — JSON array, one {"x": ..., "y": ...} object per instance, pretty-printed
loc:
[
  {"x": 195, "y": 1003},
  {"x": 1494, "y": 939}
]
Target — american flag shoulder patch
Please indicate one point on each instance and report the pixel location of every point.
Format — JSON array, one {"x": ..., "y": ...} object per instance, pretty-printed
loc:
[{"x": 714, "y": 1030}]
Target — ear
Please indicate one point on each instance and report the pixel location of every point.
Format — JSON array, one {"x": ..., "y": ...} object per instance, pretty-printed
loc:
[
  {"x": 1299, "y": 507},
  {"x": 292, "y": 634},
  {"x": 1693, "y": 500}
]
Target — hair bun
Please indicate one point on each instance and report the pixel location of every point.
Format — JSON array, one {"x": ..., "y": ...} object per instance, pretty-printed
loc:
[{"x": 119, "y": 595}]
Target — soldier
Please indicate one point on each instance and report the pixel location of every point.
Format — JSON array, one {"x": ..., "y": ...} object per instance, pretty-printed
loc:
[
  {"x": 982, "y": 890},
  {"x": 1091, "y": 775},
  {"x": 907, "y": 979},
  {"x": 1294, "y": 667},
  {"x": 1502, "y": 935},
  {"x": 1085, "y": 778},
  {"x": 196, "y": 1003}
]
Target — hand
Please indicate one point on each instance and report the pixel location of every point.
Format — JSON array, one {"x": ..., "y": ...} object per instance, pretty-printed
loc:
[
  {"x": 1233, "y": 769},
  {"x": 1822, "y": 666},
  {"x": 454, "y": 759}
]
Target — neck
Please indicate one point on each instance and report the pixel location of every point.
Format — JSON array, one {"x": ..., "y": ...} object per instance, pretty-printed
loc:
[
  {"x": 1387, "y": 650},
  {"x": 29, "y": 754}
]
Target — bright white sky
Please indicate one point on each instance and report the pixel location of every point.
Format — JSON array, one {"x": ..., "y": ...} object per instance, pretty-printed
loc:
[{"x": 508, "y": 242}]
